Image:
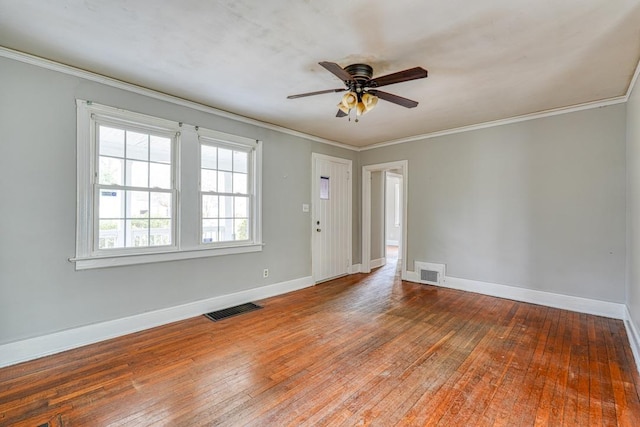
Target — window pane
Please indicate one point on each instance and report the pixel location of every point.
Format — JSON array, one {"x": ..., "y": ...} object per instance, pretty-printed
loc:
[
  {"x": 137, "y": 232},
  {"x": 160, "y": 150},
  {"x": 240, "y": 210},
  {"x": 210, "y": 206},
  {"x": 224, "y": 182},
  {"x": 208, "y": 157},
  {"x": 110, "y": 171},
  {"x": 240, "y": 183},
  {"x": 241, "y": 230},
  {"x": 137, "y": 146},
  {"x": 137, "y": 204},
  {"x": 324, "y": 188},
  {"x": 160, "y": 233},
  {"x": 137, "y": 174},
  {"x": 225, "y": 171},
  {"x": 111, "y": 141},
  {"x": 226, "y": 207},
  {"x": 209, "y": 230},
  {"x": 160, "y": 205},
  {"x": 110, "y": 234},
  {"x": 209, "y": 180},
  {"x": 224, "y": 159},
  {"x": 110, "y": 204},
  {"x": 226, "y": 230},
  {"x": 240, "y": 161},
  {"x": 159, "y": 175}
]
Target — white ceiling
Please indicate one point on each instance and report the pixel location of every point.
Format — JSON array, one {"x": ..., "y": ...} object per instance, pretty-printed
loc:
[{"x": 487, "y": 60}]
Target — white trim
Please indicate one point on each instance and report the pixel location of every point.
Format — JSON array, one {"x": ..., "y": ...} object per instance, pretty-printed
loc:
[
  {"x": 254, "y": 149},
  {"x": 119, "y": 84},
  {"x": 391, "y": 243},
  {"x": 548, "y": 299},
  {"x": 634, "y": 337},
  {"x": 132, "y": 259},
  {"x": 217, "y": 137},
  {"x": 502, "y": 122},
  {"x": 65, "y": 69},
  {"x": 89, "y": 116},
  {"x": 375, "y": 263},
  {"x": 355, "y": 268},
  {"x": 633, "y": 81},
  {"x": 33, "y": 348},
  {"x": 88, "y": 257}
]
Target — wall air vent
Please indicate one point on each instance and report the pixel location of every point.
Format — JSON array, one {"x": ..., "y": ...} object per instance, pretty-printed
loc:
[{"x": 430, "y": 273}]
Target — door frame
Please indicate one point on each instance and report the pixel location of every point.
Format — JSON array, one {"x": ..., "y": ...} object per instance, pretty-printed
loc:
[
  {"x": 403, "y": 166},
  {"x": 314, "y": 192}
]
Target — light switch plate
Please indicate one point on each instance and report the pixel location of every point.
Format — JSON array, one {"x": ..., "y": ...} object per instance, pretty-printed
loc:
[{"x": 305, "y": 207}]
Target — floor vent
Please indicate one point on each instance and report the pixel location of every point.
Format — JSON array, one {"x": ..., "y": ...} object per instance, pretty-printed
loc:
[
  {"x": 430, "y": 273},
  {"x": 53, "y": 422},
  {"x": 232, "y": 311}
]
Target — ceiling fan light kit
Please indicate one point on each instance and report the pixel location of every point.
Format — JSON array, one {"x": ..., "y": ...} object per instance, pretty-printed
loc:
[{"x": 362, "y": 89}]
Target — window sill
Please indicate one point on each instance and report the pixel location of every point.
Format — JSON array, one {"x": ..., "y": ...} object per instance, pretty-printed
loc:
[{"x": 147, "y": 258}]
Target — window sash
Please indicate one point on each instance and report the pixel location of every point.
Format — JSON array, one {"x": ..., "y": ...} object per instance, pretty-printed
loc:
[
  {"x": 206, "y": 237},
  {"x": 152, "y": 128},
  {"x": 98, "y": 188}
]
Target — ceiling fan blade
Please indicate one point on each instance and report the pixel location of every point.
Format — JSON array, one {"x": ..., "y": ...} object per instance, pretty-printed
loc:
[
  {"x": 394, "y": 98},
  {"x": 320, "y": 92},
  {"x": 340, "y": 113},
  {"x": 400, "y": 76},
  {"x": 337, "y": 71}
]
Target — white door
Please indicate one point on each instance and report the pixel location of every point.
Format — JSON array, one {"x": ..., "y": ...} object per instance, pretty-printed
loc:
[{"x": 331, "y": 226}]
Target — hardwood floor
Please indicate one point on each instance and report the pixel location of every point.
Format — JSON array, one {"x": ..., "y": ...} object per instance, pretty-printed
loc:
[{"x": 360, "y": 350}]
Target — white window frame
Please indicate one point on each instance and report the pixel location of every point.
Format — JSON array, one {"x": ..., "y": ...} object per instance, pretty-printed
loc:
[
  {"x": 186, "y": 245},
  {"x": 224, "y": 140}
]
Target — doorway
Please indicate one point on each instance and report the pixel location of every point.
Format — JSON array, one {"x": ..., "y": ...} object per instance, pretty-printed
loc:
[
  {"x": 375, "y": 231},
  {"x": 392, "y": 217}
]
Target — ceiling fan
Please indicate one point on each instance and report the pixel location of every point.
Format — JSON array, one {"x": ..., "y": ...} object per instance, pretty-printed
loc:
[{"x": 363, "y": 90}]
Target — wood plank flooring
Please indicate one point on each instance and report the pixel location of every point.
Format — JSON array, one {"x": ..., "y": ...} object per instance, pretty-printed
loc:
[{"x": 360, "y": 350}]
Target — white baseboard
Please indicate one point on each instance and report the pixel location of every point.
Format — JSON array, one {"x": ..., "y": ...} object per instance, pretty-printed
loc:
[
  {"x": 549, "y": 299},
  {"x": 33, "y": 348},
  {"x": 411, "y": 276},
  {"x": 355, "y": 268},
  {"x": 375, "y": 263},
  {"x": 634, "y": 337}
]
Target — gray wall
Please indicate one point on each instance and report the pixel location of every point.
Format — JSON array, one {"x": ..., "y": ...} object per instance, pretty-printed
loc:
[
  {"x": 537, "y": 204},
  {"x": 40, "y": 292},
  {"x": 633, "y": 206}
]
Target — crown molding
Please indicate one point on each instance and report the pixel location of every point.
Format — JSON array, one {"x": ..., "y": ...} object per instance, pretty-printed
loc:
[
  {"x": 516, "y": 119},
  {"x": 119, "y": 84},
  {"x": 633, "y": 81},
  {"x": 502, "y": 122},
  {"x": 88, "y": 75}
]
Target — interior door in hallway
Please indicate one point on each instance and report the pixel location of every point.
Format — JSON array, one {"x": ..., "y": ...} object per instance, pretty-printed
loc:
[{"x": 331, "y": 231}]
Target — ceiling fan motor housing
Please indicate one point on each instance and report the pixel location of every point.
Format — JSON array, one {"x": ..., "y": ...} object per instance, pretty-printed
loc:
[{"x": 361, "y": 73}]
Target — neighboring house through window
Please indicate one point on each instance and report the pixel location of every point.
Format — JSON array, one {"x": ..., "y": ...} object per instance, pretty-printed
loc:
[{"x": 131, "y": 174}]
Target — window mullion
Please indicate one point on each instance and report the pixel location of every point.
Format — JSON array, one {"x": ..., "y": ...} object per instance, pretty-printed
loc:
[{"x": 111, "y": 157}]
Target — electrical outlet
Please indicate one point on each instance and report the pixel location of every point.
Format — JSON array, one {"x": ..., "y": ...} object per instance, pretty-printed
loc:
[{"x": 265, "y": 272}]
